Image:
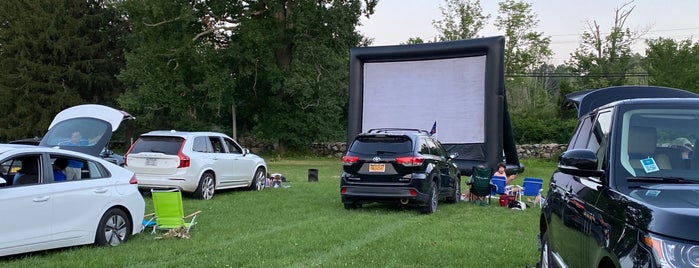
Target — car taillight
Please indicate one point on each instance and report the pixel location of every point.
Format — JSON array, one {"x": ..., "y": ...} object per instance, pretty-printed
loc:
[
  {"x": 348, "y": 160},
  {"x": 184, "y": 160},
  {"x": 413, "y": 192},
  {"x": 343, "y": 190},
  {"x": 133, "y": 180},
  {"x": 410, "y": 161}
]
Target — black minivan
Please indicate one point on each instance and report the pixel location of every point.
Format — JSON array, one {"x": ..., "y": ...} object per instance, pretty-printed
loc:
[{"x": 626, "y": 191}]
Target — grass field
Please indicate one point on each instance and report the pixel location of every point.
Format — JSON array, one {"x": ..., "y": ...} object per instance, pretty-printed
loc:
[{"x": 306, "y": 225}]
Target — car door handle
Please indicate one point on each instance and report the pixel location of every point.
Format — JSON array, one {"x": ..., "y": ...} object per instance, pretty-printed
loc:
[
  {"x": 101, "y": 190},
  {"x": 41, "y": 199}
]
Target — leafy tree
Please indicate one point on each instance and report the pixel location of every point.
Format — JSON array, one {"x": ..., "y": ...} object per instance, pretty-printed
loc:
[
  {"x": 673, "y": 63},
  {"x": 462, "y": 19},
  {"x": 175, "y": 76},
  {"x": 604, "y": 60},
  {"x": 278, "y": 67},
  {"x": 56, "y": 54},
  {"x": 525, "y": 49}
]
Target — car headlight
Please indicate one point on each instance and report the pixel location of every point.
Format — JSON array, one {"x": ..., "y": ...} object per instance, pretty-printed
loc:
[{"x": 673, "y": 253}]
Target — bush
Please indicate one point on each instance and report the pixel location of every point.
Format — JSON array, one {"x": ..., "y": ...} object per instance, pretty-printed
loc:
[{"x": 532, "y": 130}]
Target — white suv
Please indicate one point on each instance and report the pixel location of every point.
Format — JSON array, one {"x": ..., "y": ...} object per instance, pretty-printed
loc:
[{"x": 194, "y": 162}]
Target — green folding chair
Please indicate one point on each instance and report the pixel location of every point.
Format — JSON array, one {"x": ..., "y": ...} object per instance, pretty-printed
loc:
[
  {"x": 169, "y": 213},
  {"x": 481, "y": 186}
]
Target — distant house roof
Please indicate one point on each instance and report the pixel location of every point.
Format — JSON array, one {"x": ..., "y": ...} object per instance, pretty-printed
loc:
[{"x": 588, "y": 100}]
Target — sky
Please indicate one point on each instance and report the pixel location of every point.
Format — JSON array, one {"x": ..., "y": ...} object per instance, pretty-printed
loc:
[{"x": 395, "y": 21}]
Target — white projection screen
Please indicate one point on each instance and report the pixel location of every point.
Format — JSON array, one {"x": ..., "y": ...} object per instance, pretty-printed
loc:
[
  {"x": 459, "y": 85},
  {"x": 447, "y": 92}
]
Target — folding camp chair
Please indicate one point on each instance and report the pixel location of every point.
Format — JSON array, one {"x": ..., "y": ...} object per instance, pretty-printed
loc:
[
  {"x": 169, "y": 213},
  {"x": 481, "y": 186},
  {"x": 531, "y": 187},
  {"x": 500, "y": 183}
]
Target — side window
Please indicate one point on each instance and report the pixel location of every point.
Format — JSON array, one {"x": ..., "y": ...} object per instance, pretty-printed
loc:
[
  {"x": 233, "y": 147},
  {"x": 217, "y": 145},
  {"x": 67, "y": 168},
  {"x": 22, "y": 170},
  {"x": 424, "y": 147},
  {"x": 202, "y": 144},
  {"x": 600, "y": 135},
  {"x": 434, "y": 150},
  {"x": 582, "y": 133}
]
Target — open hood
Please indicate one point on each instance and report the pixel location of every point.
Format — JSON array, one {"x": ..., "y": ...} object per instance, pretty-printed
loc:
[{"x": 84, "y": 128}]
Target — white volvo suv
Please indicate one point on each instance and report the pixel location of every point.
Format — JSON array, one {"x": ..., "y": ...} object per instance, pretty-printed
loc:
[{"x": 195, "y": 162}]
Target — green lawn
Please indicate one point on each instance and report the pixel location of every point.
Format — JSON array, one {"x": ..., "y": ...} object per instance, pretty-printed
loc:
[{"x": 306, "y": 225}]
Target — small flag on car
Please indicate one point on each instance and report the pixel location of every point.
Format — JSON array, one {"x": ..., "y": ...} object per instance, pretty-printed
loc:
[{"x": 434, "y": 128}]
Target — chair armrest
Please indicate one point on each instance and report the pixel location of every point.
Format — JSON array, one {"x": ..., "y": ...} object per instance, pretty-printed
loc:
[{"x": 193, "y": 214}]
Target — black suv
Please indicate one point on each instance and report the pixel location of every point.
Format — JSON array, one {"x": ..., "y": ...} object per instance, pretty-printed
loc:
[
  {"x": 401, "y": 166},
  {"x": 626, "y": 191}
]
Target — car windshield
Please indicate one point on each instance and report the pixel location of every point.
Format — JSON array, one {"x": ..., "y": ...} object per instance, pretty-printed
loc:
[
  {"x": 382, "y": 145},
  {"x": 657, "y": 145}
]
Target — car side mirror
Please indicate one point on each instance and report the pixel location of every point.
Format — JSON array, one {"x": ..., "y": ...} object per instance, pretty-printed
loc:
[
  {"x": 3, "y": 182},
  {"x": 579, "y": 162},
  {"x": 246, "y": 151}
]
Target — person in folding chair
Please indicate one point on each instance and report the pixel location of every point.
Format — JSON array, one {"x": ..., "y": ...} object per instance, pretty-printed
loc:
[{"x": 169, "y": 214}]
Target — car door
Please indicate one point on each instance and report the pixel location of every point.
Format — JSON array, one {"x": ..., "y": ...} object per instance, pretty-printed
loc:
[
  {"x": 74, "y": 218},
  {"x": 223, "y": 163},
  {"x": 577, "y": 240},
  {"x": 243, "y": 162},
  {"x": 26, "y": 208}
]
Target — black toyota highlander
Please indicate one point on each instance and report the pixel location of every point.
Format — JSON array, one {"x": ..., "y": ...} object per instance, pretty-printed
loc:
[
  {"x": 626, "y": 191},
  {"x": 399, "y": 166}
]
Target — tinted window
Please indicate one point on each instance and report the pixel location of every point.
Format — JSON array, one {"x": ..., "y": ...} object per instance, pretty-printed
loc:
[
  {"x": 202, "y": 144},
  {"x": 217, "y": 144},
  {"x": 424, "y": 146},
  {"x": 165, "y": 145},
  {"x": 84, "y": 132},
  {"x": 389, "y": 144}
]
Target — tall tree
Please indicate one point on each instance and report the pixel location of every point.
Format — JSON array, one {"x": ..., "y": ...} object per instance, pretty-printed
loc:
[
  {"x": 673, "y": 63},
  {"x": 525, "y": 49},
  {"x": 280, "y": 66},
  {"x": 604, "y": 60},
  {"x": 462, "y": 19},
  {"x": 175, "y": 76},
  {"x": 56, "y": 54},
  {"x": 292, "y": 67}
]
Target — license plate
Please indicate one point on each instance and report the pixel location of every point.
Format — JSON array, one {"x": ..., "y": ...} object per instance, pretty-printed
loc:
[
  {"x": 377, "y": 167},
  {"x": 151, "y": 161}
]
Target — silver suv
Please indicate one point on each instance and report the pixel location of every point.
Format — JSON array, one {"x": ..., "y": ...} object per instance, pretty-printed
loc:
[{"x": 195, "y": 162}]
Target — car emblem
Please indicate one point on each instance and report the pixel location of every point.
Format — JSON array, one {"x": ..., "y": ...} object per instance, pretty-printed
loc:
[{"x": 376, "y": 159}]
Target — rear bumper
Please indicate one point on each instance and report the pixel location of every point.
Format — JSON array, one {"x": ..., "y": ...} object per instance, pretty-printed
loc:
[
  {"x": 168, "y": 182},
  {"x": 353, "y": 191},
  {"x": 364, "y": 194}
]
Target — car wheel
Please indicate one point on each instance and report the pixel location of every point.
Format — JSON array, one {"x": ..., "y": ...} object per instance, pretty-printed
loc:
[
  {"x": 456, "y": 195},
  {"x": 113, "y": 229},
  {"x": 258, "y": 180},
  {"x": 432, "y": 201},
  {"x": 206, "y": 188},
  {"x": 545, "y": 252}
]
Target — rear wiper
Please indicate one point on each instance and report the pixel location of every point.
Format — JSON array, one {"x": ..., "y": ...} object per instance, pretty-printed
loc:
[{"x": 677, "y": 180}]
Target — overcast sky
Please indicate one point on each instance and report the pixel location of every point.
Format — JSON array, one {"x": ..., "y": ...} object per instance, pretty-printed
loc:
[{"x": 395, "y": 21}]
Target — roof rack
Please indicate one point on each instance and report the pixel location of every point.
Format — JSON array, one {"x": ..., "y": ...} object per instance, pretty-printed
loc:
[{"x": 397, "y": 130}]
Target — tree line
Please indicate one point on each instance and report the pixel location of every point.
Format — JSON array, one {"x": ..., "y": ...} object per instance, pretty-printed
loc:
[{"x": 278, "y": 69}]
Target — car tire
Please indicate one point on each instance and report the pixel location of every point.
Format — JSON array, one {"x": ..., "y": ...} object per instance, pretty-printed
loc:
[
  {"x": 432, "y": 200},
  {"x": 206, "y": 188},
  {"x": 258, "y": 180},
  {"x": 545, "y": 256},
  {"x": 456, "y": 194},
  {"x": 114, "y": 228}
]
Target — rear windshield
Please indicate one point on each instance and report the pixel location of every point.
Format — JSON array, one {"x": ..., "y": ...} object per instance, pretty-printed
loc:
[
  {"x": 165, "y": 145},
  {"x": 382, "y": 145}
]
